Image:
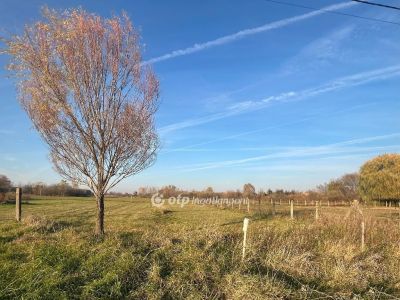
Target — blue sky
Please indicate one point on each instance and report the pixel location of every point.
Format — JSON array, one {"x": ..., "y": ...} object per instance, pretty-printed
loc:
[{"x": 251, "y": 91}]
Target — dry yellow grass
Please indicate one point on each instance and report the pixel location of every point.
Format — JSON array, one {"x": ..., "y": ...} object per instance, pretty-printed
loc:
[{"x": 195, "y": 252}]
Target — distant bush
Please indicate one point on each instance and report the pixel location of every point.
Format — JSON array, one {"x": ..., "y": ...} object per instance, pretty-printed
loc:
[{"x": 380, "y": 178}]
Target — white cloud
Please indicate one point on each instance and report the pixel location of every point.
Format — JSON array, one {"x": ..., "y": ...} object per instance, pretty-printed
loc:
[
  {"x": 246, "y": 106},
  {"x": 7, "y": 131},
  {"x": 329, "y": 149},
  {"x": 321, "y": 52},
  {"x": 246, "y": 32}
]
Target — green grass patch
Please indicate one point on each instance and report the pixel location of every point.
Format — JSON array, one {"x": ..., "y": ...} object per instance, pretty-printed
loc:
[{"x": 194, "y": 252}]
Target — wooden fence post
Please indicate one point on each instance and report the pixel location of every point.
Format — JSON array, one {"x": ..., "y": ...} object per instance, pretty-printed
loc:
[
  {"x": 273, "y": 208},
  {"x": 248, "y": 205},
  {"x": 245, "y": 226},
  {"x": 291, "y": 210},
  {"x": 18, "y": 206},
  {"x": 316, "y": 210}
]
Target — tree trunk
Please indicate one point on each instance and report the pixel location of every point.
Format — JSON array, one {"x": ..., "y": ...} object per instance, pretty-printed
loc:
[{"x": 100, "y": 215}]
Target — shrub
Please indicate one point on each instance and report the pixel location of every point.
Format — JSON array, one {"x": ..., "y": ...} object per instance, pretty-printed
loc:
[{"x": 380, "y": 178}]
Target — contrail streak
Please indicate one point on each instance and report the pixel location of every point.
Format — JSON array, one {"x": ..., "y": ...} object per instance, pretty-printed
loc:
[
  {"x": 302, "y": 152},
  {"x": 246, "y": 106},
  {"x": 246, "y": 32}
]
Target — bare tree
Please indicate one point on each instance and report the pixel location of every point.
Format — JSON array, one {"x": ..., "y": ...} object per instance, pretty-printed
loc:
[
  {"x": 5, "y": 183},
  {"x": 350, "y": 185},
  {"x": 88, "y": 94},
  {"x": 169, "y": 191},
  {"x": 249, "y": 190},
  {"x": 208, "y": 192},
  {"x": 38, "y": 188}
]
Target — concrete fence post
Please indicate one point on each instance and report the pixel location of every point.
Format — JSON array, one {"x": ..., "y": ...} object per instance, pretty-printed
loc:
[
  {"x": 245, "y": 226},
  {"x": 18, "y": 206},
  {"x": 316, "y": 211},
  {"x": 291, "y": 210}
]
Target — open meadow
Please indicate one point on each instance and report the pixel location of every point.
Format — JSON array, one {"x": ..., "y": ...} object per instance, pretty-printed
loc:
[
  {"x": 200, "y": 150},
  {"x": 195, "y": 252}
]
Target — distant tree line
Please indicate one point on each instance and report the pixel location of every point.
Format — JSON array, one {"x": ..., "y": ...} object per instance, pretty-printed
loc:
[
  {"x": 248, "y": 191},
  {"x": 63, "y": 188},
  {"x": 378, "y": 180}
]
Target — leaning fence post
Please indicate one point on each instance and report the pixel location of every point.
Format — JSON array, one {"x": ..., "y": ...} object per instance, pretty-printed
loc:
[
  {"x": 245, "y": 226},
  {"x": 273, "y": 208},
  {"x": 18, "y": 207},
  {"x": 291, "y": 209},
  {"x": 316, "y": 210},
  {"x": 362, "y": 235}
]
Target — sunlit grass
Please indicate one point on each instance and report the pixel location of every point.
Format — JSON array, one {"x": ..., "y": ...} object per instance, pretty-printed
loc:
[{"x": 195, "y": 252}]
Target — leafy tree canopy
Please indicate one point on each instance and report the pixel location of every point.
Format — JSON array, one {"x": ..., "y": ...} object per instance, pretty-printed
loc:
[{"x": 380, "y": 178}]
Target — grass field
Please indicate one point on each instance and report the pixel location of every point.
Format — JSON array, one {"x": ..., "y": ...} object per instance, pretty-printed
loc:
[{"x": 195, "y": 252}]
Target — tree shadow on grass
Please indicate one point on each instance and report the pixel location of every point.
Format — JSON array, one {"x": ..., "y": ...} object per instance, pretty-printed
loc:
[
  {"x": 45, "y": 226},
  {"x": 312, "y": 288},
  {"x": 232, "y": 223},
  {"x": 7, "y": 239},
  {"x": 309, "y": 287},
  {"x": 12, "y": 203}
]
